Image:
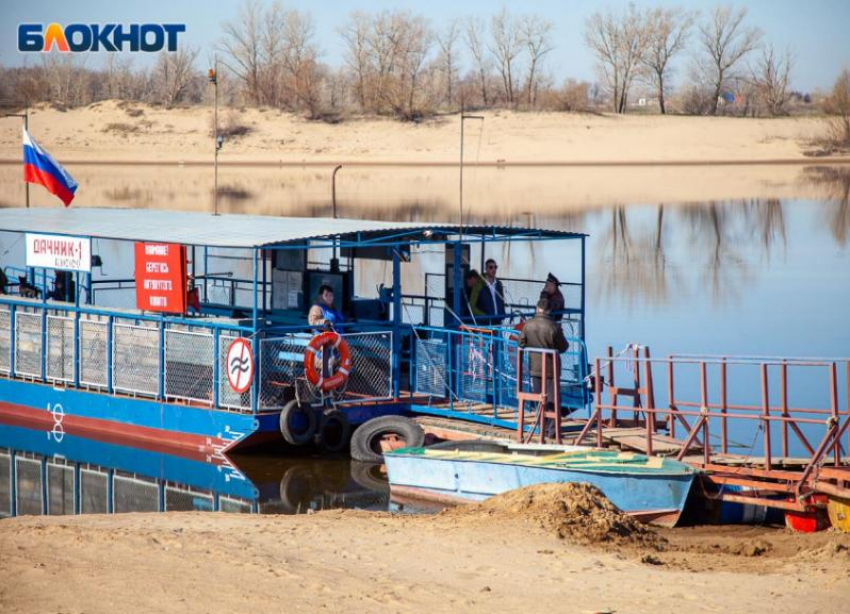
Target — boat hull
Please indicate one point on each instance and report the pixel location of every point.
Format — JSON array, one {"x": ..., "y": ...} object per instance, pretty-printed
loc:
[
  {"x": 655, "y": 498},
  {"x": 141, "y": 423}
]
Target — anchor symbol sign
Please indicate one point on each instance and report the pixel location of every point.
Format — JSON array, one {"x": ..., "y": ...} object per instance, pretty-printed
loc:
[{"x": 57, "y": 433}]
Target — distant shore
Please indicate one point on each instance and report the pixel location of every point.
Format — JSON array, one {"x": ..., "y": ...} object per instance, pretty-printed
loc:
[
  {"x": 126, "y": 155},
  {"x": 111, "y": 131}
]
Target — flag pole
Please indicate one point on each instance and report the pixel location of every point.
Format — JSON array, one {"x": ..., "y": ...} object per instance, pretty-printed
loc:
[{"x": 26, "y": 116}]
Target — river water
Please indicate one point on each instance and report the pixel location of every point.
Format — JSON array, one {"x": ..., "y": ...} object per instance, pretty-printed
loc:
[{"x": 754, "y": 276}]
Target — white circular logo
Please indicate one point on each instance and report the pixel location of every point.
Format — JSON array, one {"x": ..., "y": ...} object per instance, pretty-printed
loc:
[
  {"x": 58, "y": 430},
  {"x": 240, "y": 365}
]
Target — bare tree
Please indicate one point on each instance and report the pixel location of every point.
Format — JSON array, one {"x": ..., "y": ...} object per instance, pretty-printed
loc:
[
  {"x": 118, "y": 77},
  {"x": 838, "y": 105},
  {"x": 668, "y": 32},
  {"x": 536, "y": 36},
  {"x": 447, "y": 41},
  {"x": 273, "y": 48},
  {"x": 356, "y": 37},
  {"x": 725, "y": 42},
  {"x": 770, "y": 76},
  {"x": 410, "y": 40},
  {"x": 242, "y": 46},
  {"x": 505, "y": 45},
  {"x": 619, "y": 43},
  {"x": 67, "y": 79},
  {"x": 476, "y": 30},
  {"x": 174, "y": 75},
  {"x": 301, "y": 69}
]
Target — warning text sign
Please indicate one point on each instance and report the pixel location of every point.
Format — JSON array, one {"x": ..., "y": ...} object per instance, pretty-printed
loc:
[{"x": 161, "y": 277}]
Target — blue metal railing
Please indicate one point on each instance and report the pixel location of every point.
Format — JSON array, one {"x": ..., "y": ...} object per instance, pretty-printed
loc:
[
  {"x": 473, "y": 373},
  {"x": 105, "y": 352}
]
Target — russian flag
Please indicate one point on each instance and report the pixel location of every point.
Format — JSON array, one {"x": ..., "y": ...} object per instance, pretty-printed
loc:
[{"x": 40, "y": 167}]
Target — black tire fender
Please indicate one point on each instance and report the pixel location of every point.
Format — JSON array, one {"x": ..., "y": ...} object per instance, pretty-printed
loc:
[
  {"x": 298, "y": 423},
  {"x": 368, "y": 475},
  {"x": 365, "y": 443},
  {"x": 334, "y": 432}
]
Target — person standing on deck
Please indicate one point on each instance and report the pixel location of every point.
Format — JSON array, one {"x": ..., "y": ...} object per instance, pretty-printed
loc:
[
  {"x": 323, "y": 314},
  {"x": 551, "y": 291},
  {"x": 542, "y": 332},
  {"x": 490, "y": 298},
  {"x": 473, "y": 285}
]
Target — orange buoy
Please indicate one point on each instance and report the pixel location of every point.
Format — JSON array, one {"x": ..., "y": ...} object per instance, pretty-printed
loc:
[
  {"x": 813, "y": 519},
  {"x": 315, "y": 372}
]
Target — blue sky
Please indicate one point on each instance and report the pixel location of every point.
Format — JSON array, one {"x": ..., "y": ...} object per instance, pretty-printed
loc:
[{"x": 817, "y": 30}]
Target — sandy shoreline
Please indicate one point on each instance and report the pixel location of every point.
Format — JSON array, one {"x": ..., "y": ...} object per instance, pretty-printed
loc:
[
  {"x": 376, "y": 562},
  {"x": 112, "y": 131},
  {"x": 554, "y": 164}
]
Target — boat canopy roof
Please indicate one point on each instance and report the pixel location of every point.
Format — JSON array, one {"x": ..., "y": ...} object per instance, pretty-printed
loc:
[{"x": 237, "y": 231}]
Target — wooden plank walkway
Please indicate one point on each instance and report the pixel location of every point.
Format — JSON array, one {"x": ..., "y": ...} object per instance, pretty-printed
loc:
[{"x": 635, "y": 439}]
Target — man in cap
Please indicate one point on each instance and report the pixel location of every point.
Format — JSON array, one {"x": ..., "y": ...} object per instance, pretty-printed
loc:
[
  {"x": 552, "y": 293},
  {"x": 542, "y": 332}
]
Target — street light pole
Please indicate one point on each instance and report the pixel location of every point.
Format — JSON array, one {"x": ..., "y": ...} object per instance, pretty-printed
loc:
[
  {"x": 217, "y": 141},
  {"x": 463, "y": 118},
  {"x": 25, "y": 116},
  {"x": 333, "y": 187},
  {"x": 334, "y": 261}
]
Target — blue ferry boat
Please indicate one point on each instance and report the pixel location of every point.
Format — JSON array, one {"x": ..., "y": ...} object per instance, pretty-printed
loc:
[
  {"x": 188, "y": 332},
  {"x": 76, "y": 475}
]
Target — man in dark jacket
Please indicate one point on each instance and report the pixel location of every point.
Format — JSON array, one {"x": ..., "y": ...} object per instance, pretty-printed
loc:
[
  {"x": 552, "y": 292},
  {"x": 542, "y": 332},
  {"x": 490, "y": 298}
]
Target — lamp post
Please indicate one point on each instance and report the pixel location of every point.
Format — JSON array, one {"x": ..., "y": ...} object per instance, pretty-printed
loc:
[
  {"x": 25, "y": 116},
  {"x": 463, "y": 118},
  {"x": 334, "y": 260},
  {"x": 218, "y": 140},
  {"x": 333, "y": 187}
]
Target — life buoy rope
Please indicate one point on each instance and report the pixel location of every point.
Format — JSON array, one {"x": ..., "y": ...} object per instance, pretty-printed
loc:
[{"x": 315, "y": 372}]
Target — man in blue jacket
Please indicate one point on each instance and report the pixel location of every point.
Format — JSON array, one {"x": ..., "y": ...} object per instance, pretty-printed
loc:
[{"x": 491, "y": 296}]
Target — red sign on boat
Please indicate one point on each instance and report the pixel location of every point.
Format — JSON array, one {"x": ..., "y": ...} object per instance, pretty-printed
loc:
[{"x": 161, "y": 277}]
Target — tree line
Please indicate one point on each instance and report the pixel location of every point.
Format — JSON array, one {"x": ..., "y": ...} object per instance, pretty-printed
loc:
[{"x": 397, "y": 63}]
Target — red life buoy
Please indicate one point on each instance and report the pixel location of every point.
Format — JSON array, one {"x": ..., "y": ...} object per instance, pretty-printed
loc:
[{"x": 313, "y": 368}]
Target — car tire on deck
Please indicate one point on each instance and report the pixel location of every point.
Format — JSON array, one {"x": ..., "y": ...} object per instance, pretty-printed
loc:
[{"x": 366, "y": 441}]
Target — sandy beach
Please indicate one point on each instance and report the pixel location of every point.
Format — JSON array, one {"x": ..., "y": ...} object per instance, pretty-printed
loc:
[
  {"x": 513, "y": 554},
  {"x": 112, "y": 131}
]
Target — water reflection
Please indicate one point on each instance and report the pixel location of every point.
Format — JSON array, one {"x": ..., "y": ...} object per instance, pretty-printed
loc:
[
  {"x": 86, "y": 476},
  {"x": 635, "y": 263},
  {"x": 835, "y": 183}
]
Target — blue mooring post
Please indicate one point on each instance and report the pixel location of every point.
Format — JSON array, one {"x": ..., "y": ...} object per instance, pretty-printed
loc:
[
  {"x": 206, "y": 273},
  {"x": 396, "y": 356},
  {"x": 110, "y": 354},
  {"x": 77, "y": 489},
  {"x": 583, "y": 256},
  {"x": 255, "y": 385},
  {"x": 77, "y": 329},
  {"x": 13, "y": 458},
  {"x": 456, "y": 270},
  {"x": 217, "y": 366},
  {"x": 110, "y": 491},
  {"x": 44, "y": 507},
  {"x": 161, "y": 394},
  {"x": 451, "y": 340},
  {"x": 12, "y": 316}
]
